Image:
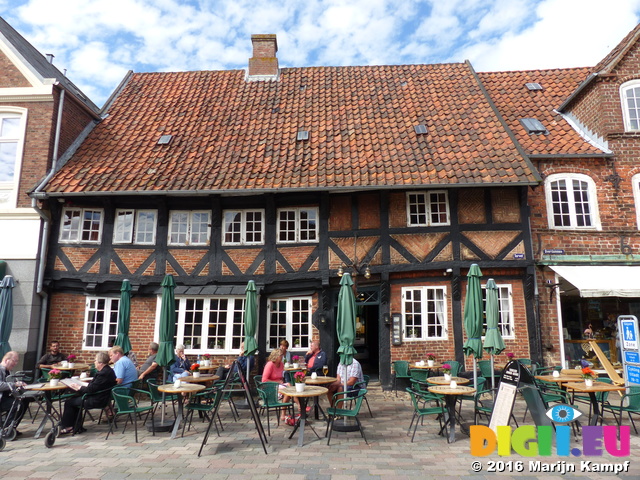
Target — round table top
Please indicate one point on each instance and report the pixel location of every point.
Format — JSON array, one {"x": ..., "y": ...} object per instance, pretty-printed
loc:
[
  {"x": 204, "y": 378},
  {"x": 425, "y": 366},
  {"x": 442, "y": 381},
  {"x": 184, "y": 387},
  {"x": 559, "y": 379},
  {"x": 48, "y": 387},
  {"x": 309, "y": 391},
  {"x": 319, "y": 380},
  {"x": 208, "y": 367},
  {"x": 597, "y": 387},
  {"x": 447, "y": 390},
  {"x": 291, "y": 368},
  {"x": 76, "y": 366}
]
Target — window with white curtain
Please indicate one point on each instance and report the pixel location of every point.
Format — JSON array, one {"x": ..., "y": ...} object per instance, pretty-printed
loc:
[
  {"x": 290, "y": 319},
  {"x": 189, "y": 227},
  {"x": 424, "y": 313},
  {"x": 135, "y": 226},
  {"x": 505, "y": 311}
]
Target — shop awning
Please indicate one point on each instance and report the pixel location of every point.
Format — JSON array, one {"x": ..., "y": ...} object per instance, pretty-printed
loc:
[{"x": 602, "y": 281}]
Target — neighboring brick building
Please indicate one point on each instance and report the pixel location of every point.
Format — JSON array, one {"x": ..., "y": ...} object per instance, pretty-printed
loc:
[
  {"x": 405, "y": 175},
  {"x": 41, "y": 114}
]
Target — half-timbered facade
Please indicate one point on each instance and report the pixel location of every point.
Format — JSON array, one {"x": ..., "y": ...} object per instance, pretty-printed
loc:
[{"x": 401, "y": 175}]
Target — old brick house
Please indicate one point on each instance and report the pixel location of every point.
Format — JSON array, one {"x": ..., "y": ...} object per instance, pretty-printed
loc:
[
  {"x": 405, "y": 175},
  {"x": 585, "y": 215},
  {"x": 41, "y": 114}
]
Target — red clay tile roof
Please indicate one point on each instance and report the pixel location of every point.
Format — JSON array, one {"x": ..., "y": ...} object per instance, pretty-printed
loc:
[
  {"x": 515, "y": 101},
  {"x": 235, "y": 135}
]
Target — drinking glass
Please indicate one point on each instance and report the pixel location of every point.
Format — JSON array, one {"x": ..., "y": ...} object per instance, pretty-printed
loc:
[{"x": 325, "y": 370}]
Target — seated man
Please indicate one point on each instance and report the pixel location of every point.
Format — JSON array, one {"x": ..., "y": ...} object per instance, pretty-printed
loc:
[
  {"x": 9, "y": 361},
  {"x": 54, "y": 356},
  {"x": 150, "y": 369},
  {"x": 353, "y": 373},
  {"x": 223, "y": 371},
  {"x": 315, "y": 358},
  {"x": 102, "y": 382},
  {"x": 181, "y": 364},
  {"x": 126, "y": 374}
]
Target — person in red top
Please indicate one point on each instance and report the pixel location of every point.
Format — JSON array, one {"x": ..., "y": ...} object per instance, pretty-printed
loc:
[
  {"x": 315, "y": 358},
  {"x": 273, "y": 372}
]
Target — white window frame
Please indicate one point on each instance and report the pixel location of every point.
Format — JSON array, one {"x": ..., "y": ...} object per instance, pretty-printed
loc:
[
  {"x": 243, "y": 227},
  {"x": 9, "y": 189},
  {"x": 78, "y": 230},
  {"x": 294, "y": 326},
  {"x": 189, "y": 308},
  {"x": 571, "y": 204},
  {"x": 506, "y": 322},
  {"x": 297, "y": 225},
  {"x": 189, "y": 233},
  {"x": 428, "y": 203},
  {"x": 409, "y": 328},
  {"x": 630, "y": 124},
  {"x": 635, "y": 182},
  {"x": 131, "y": 232},
  {"x": 108, "y": 323}
]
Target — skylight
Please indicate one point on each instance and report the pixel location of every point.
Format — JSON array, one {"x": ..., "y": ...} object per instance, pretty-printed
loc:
[
  {"x": 303, "y": 135},
  {"x": 533, "y": 86},
  {"x": 165, "y": 139},
  {"x": 420, "y": 129},
  {"x": 533, "y": 125}
]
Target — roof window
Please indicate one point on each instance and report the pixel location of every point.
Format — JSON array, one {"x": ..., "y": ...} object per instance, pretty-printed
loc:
[
  {"x": 533, "y": 125},
  {"x": 533, "y": 86},
  {"x": 303, "y": 135},
  {"x": 165, "y": 139},
  {"x": 420, "y": 129}
]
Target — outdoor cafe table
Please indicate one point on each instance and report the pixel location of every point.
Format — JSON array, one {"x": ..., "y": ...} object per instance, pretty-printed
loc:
[
  {"x": 319, "y": 381},
  {"x": 309, "y": 391},
  {"x": 208, "y": 368},
  {"x": 425, "y": 366},
  {"x": 442, "y": 381},
  {"x": 450, "y": 398},
  {"x": 597, "y": 387},
  {"x": 184, "y": 387},
  {"x": 203, "y": 378},
  {"x": 47, "y": 389},
  {"x": 76, "y": 366}
]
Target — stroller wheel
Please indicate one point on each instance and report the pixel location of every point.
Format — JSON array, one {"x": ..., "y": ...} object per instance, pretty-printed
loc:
[
  {"x": 3, "y": 442},
  {"x": 50, "y": 439},
  {"x": 10, "y": 434}
]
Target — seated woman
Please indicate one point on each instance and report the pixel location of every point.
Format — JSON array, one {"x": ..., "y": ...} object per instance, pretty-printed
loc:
[
  {"x": 273, "y": 372},
  {"x": 103, "y": 381},
  {"x": 180, "y": 366}
]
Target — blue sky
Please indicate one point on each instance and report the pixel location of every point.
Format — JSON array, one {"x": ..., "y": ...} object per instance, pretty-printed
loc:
[{"x": 98, "y": 41}]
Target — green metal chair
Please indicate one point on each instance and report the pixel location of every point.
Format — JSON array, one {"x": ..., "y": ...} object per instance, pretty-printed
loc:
[
  {"x": 483, "y": 384},
  {"x": 336, "y": 411},
  {"x": 487, "y": 372},
  {"x": 629, "y": 404},
  {"x": 365, "y": 384},
  {"x": 419, "y": 401},
  {"x": 157, "y": 396},
  {"x": 419, "y": 374},
  {"x": 268, "y": 392},
  {"x": 400, "y": 371},
  {"x": 126, "y": 404}
]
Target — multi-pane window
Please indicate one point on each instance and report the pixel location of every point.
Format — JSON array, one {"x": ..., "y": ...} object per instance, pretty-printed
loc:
[
  {"x": 243, "y": 227},
  {"x": 189, "y": 227},
  {"x": 135, "y": 226},
  {"x": 81, "y": 225},
  {"x": 425, "y": 312},
  {"x": 210, "y": 323},
  {"x": 636, "y": 195},
  {"x": 630, "y": 97},
  {"x": 100, "y": 322},
  {"x": 428, "y": 208},
  {"x": 11, "y": 138},
  {"x": 505, "y": 311},
  {"x": 290, "y": 319},
  {"x": 571, "y": 202},
  {"x": 297, "y": 225}
]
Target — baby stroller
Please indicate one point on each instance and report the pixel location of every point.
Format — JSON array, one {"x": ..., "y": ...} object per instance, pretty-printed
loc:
[{"x": 9, "y": 430}]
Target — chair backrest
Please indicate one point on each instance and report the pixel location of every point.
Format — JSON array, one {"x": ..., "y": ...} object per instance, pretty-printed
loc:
[
  {"x": 268, "y": 392},
  {"x": 366, "y": 379},
  {"x": 485, "y": 368},
  {"x": 401, "y": 367},
  {"x": 156, "y": 395},
  {"x": 420, "y": 375},
  {"x": 355, "y": 406},
  {"x": 123, "y": 401},
  {"x": 634, "y": 400},
  {"x": 257, "y": 380}
]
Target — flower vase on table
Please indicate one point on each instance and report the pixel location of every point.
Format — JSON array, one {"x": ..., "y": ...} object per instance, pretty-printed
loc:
[
  {"x": 54, "y": 382},
  {"x": 299, "y": 377},
  {"x": 431, "y": 358},
  {"x": 588, "y": 382},
  {"x": 447, "y": 377},
  {"x": 195, "y": 370},
  {"x": 54, "y": 376},
  {"x": 430, "y": 363},
  {"x": 588, "y": 376}
]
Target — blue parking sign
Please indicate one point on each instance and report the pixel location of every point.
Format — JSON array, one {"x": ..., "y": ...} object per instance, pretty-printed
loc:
[{"x": 629, "y": 335}]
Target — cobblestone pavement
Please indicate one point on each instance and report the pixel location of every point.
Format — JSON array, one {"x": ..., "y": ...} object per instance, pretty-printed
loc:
[{"x": 237, "y": 454}]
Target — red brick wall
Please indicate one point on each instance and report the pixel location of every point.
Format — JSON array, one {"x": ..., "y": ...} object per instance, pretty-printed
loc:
[{"x": 10, "y": 76}]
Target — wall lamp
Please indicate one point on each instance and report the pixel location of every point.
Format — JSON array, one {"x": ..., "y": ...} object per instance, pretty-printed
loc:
[
  {"x": 355, "y": 269},
  {"x": 323, "y": 319}
]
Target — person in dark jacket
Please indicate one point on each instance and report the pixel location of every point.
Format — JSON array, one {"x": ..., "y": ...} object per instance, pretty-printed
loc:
[
  {"x": 103, "y": 381},
  {"x": 315, "y": 358}
]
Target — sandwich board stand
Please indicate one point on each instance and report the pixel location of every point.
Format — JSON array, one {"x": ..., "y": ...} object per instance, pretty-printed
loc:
[
  {"x": 516, "y": 377},
  {"x": 250, "y": 403}
]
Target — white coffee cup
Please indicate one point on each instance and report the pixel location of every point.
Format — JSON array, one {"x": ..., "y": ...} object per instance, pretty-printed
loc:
[
  {"x": 64, "y": 363},
  {"x": 314, "y": 375},
  {"x": 556, "y": 373},
  {"x": 453, "y": 384},
  {"x": 83, "y": 375},
  {"x": 177, "y": 384}
]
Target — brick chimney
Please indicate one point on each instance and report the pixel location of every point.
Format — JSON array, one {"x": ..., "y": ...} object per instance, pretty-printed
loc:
[{"x": 264, "y": 63}]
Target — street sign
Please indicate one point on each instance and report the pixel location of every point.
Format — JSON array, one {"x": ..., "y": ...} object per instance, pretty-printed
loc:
[{"x": 629, "y": 345}]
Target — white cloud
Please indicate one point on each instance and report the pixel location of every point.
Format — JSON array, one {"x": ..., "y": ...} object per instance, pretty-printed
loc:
[{"x": 98, "y": 41}]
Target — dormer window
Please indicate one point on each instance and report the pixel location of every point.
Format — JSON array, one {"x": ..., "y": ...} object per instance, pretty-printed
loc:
[{"x": 630, "y": 97}]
